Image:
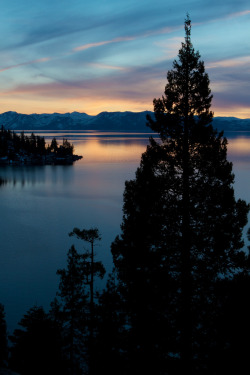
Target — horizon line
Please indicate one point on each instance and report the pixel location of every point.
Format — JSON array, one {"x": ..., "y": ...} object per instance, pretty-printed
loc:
[{"x": 93, "y": 115}]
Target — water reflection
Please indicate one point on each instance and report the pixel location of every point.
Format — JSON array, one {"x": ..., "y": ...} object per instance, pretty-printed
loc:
[
  {"x": 20, "y": 176},
  {"x": 3, "y": 181},
  {"x": 101, "y": 148},
  {"x": 94, "y": 150},
  {"x": 239, "y": 146}
]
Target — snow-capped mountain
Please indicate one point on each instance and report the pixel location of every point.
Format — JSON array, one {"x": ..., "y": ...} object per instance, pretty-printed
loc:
[{"x": 104, "y": 121}]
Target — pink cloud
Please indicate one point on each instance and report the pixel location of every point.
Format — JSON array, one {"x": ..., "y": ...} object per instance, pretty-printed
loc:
[
  {"x": 165, "y": 30},
  {"x": 105, "y": 66},
  {"x": 98, "y": 44},
  {"x": 228, "y": 63},
  {"x": 44, "y": 59},
  {"x": 239, "y": 14}
]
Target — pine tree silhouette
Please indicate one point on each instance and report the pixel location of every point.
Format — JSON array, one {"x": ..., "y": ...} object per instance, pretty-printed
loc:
[{"x": 181, "y": 229}]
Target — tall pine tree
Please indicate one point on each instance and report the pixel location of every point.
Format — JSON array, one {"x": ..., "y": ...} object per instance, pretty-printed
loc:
[
  {"x": 182, "y": 227},
  {"x": 91, "y": 269},
  {"x": 75, "y": 311}
]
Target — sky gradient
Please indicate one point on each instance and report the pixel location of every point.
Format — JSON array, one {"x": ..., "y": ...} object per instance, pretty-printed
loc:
[{"x": 70, "y": 55}]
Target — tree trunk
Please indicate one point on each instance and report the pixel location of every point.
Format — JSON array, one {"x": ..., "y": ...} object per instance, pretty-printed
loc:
[{"x": 186, "y": 316}]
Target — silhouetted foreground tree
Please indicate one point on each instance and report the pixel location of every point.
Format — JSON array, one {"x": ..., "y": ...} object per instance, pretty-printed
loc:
[
  {"x": 3, "y": 338},
  {"x": 74, "y": 311},
  {"x": 110, "y": 341},
  {"x": 231, "y": 354},
  {"x": 35, "y": 347},
  {"x": 181, "y": 230},
  {"x": 90, "y": 269}
]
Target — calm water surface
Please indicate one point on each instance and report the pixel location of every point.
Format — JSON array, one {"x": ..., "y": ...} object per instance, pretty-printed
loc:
[{"x": 40, "y": 205}]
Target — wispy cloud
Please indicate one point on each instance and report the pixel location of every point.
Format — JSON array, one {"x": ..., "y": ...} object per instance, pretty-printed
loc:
[
  {"x": 227, "y": 16},
  {"x": 42, "y": 60},
  {"x": 102, "y": 43},
  {"x": 105, "y": 66},
  {"x": 164, "y": 30},
  {"x": 238, "y": 14},
  {"x": 229, "y": 63}
]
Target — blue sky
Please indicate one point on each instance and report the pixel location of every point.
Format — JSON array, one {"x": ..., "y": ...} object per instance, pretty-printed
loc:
[{"x": 70, "y": 55}]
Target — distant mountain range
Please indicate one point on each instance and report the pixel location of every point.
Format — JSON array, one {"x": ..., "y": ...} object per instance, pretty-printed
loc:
[{"x": 104, "y": 121}]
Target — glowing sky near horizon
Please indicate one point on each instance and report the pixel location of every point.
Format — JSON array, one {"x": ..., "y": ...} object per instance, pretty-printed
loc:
[{"x": 71, "y": 55}]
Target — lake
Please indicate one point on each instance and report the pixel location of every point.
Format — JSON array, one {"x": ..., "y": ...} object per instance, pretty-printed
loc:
[{"x": 41, "y": 205}]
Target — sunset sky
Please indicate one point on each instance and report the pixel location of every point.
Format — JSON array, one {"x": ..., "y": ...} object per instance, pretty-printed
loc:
[{"x": 113, "y": 55}]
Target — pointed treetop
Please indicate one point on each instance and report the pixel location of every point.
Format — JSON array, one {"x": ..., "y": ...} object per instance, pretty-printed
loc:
[{"x": 187, "y": 28}]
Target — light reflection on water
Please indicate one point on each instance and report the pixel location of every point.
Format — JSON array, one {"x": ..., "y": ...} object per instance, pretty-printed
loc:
[
  {"x": 40, "y": 205},
  {"x": 239, "y": 145}
]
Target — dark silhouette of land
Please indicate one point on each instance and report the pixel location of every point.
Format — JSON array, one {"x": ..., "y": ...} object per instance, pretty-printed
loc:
[{"x": 32, "y": 150}]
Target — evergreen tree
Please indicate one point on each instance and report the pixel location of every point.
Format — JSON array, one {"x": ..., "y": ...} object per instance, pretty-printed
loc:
[
  {"x": 67, "y": 148},
  {"x": 230, "y": 355},
  {"x": 54, "y": 145},
  {"x": 182, "y": 228},
  {"x": 91, "y": 268},
  {"x": 76, "y": 316},
  {"x": 40, "y": 142},
  {"x": 3, "y": 142},
  {"x": 34, "y": 347},
  {"x": 74, "y": 311},
  {"x": 3, "y": 338},
  {"x": 22, "y": 140},
  {"x": 56, "y": 317},
  {"x": 32, "y": 143},
  {"x": 110, "y": 342}
]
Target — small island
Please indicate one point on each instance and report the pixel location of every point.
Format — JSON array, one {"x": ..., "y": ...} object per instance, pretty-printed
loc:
[{"x": 22, "y": 149}]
